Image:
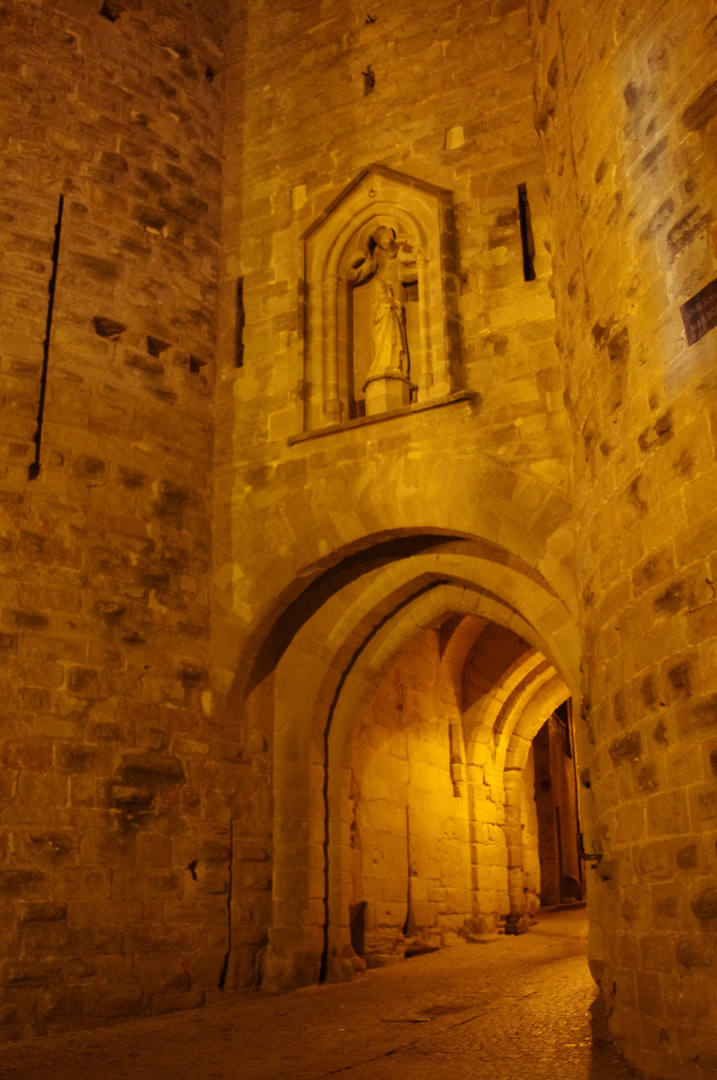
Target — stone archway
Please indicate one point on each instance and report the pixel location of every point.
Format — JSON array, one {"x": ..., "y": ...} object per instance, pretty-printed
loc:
[{"x": 325, "y": 660}]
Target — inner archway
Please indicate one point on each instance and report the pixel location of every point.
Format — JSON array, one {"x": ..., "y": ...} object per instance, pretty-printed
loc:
[{"x": 440, "y": 811}]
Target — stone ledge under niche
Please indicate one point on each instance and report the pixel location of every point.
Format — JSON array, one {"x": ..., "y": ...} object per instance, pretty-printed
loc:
[{"x": 331, "y": 429}]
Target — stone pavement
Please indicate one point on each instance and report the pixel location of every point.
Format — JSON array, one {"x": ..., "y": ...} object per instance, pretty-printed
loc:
[{"x": 515, "y": 1007}]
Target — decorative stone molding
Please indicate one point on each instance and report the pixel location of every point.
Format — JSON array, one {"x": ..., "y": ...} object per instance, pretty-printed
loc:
[{"x": 381, "y": 326}]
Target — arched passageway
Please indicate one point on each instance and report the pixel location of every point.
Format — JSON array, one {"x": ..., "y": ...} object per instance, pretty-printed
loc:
[
  {"x": 405, "y": 686},
  {"x": 442, "y": 842}
]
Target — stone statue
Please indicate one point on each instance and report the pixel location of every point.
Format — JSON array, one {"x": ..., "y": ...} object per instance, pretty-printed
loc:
[{"x": 387, "y": 267}]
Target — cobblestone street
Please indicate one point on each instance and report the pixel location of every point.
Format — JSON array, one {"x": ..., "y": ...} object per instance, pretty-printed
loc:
[{"x": 517, "y": 1007}]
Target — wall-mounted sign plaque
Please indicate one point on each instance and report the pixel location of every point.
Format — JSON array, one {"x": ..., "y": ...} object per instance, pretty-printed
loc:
[{"x": 700, "y": 313}]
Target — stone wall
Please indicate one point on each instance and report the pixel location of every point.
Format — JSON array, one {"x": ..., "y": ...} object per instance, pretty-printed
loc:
[
  {"x": 169, "y": 780},
  {"x": 429, "y": 860},
  {"x": 532, "y": 883},
  {"x": 411, "y": 841},
  {"x": 298, "y": 513},
  {"x": 626, "y": 105},
  {"x": 294, "y": 145},
  {"x": 114, "y": 774}
]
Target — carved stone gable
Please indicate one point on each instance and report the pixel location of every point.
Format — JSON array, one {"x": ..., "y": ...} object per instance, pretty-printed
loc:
[{"x": 381, "y": 323}]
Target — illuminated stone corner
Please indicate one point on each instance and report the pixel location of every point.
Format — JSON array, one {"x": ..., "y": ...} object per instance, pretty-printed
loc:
[{"x": 342, "y": 379}]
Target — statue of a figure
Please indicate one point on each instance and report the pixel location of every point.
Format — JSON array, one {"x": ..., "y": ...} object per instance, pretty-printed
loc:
[{"x": 387, "y": 267}]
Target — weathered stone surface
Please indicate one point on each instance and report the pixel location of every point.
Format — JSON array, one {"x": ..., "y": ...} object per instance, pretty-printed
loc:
[
  {"x": 704, "y": 904},
  {"x": 640, "y": 450},
  {"x": 151, "y": 767},
  {"x": 213, "y": 567},
  {"x": 85, "y": 627},
  {"x": 628, "y": 748}
]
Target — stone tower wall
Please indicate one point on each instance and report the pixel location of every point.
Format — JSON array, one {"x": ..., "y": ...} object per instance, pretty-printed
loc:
[
  {"x": 626, "y": 105},
  {"x": 114, "y": 827}
]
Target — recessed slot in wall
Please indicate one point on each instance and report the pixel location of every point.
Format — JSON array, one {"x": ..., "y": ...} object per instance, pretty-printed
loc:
[
  {"x": 209, "y": 73},
  {"x": 155, "y": 347},
  {"x": 195, "y": 364},
  {"x": 526, "y": 233},
  {"x": 239, "y": 324},
  {"x": 357, "y": 926},
  {"x": 111, "y": 11},
  {"x": 34, "y": 467},
  {"x": 108, "y": 328}
]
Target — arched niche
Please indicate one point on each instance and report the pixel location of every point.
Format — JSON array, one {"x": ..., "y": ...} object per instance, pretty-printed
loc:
[{"x": 381, "y": 324}]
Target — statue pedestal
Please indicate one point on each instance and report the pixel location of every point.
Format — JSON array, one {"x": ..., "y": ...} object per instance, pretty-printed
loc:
[
  {"x": 387, "y": 392},
  {"x": 334, "y": 411}
]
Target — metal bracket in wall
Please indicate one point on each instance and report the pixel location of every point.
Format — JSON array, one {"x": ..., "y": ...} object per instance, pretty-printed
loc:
[{"x": 586, "y": 856}]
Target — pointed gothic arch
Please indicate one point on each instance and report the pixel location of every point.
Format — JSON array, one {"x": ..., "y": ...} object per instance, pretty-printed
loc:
[{"x": 321, "y": 675}]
